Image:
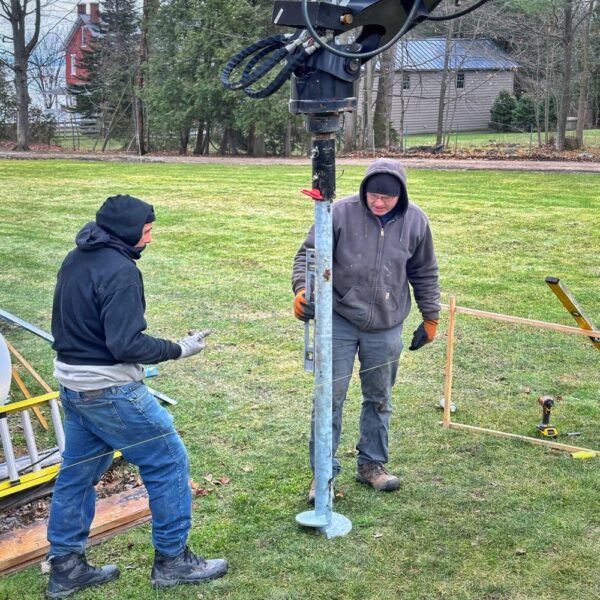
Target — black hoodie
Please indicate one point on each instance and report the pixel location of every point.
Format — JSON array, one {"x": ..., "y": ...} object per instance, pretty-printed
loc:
[{"x": 98, "y": 311}]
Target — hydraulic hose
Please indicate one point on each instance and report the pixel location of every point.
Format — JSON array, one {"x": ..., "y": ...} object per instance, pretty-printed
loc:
[
  {"x": 275, "y": 43},
  {"x": 298, "y": 57},
  {"x": 248, "y": 74},
  {"x": 361, "y": 55}
]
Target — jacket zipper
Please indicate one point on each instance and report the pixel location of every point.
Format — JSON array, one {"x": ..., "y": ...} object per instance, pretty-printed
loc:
[{"x": 377, "y": 270}]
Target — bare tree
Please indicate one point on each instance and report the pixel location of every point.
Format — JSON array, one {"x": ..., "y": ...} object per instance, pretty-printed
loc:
[
  {"x": 46, "y": 67},
  {"x": 19, "y": 13},
  {"x": 586, "y": 68},
  {"x": 545, "y": 38},
  {"x": 439, "y": 139},
  {"x": 367, "y": 113},
  {"x": 383, "y": 102},
  {"x": 148, "y": 9}
]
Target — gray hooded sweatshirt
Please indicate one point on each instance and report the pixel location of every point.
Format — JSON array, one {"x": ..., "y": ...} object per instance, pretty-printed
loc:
[{"x": 374, "y": 263}]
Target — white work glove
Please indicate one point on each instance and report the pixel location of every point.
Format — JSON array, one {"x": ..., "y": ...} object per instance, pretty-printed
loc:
[{"x": 193, "y": 343}]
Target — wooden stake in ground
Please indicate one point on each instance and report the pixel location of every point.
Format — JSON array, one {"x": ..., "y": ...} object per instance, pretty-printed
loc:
[{"x": 449, "y": 362}]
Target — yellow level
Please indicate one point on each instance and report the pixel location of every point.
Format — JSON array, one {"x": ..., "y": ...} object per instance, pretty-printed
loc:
[{"x": 567, "y": 300}]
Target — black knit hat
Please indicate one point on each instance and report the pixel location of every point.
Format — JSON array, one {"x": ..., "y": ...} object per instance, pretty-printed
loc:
[
  {"x": 383, "y": 183},
  {"x": 125, "y": 217}
]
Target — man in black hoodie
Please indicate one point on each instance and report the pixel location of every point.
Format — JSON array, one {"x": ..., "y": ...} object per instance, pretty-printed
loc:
[{"x": 98, "y": 327}]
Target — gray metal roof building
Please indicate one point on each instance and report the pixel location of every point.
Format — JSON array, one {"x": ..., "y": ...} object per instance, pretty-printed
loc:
[
  {"x": 478, "y": 72},
  {"x": 467, "y": 55}
]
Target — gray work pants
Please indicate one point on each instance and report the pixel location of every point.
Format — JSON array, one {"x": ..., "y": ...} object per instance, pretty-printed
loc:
[{"x": 378, "y": 355}]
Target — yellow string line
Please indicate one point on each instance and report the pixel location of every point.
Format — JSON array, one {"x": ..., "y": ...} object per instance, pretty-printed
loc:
[
  {"x": 224, "y": 416},
  {"x": 174, "y": 432}
]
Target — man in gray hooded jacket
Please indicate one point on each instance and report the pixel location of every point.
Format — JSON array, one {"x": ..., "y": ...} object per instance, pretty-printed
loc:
[{"x": 381, "y": 243}]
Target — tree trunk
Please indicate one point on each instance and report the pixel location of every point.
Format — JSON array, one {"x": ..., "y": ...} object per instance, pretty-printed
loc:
[
  {"x": 546, "y": 115},
  {"x": 256, "y": 143},
  {"x": 538, "y": 125},
  {"x": 199, "y": 146},
  {"x": 349, "y": 131},
  {"x": 565, "y": 91},
  {"x": 227, "y": 143},
  {"x": 383, "y": 102},
  {"x": 206, "y": 149},
  {"x": 287, "y": 143},
  {"x": 184, "y": 140},
  {"x": 140, "y": 125},
  {"x": 367, "y": 129},
  {"x": 258, "y": 149},
  {"x": 22, "y": 98},
  {"x": 401, "y": 100},
  {"x": 439, "y": 139},
  {"x": 585, "y": 76},
  {"x": 22, "y": 50}
]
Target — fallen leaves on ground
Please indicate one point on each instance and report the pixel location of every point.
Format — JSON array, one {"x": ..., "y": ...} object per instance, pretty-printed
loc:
[
  {"x": 120, "y": 477},
  {"x": 199, "y": 490}
]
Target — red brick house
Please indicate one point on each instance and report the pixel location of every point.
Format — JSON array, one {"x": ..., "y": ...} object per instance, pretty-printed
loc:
[{"x": 78, "y": 41}]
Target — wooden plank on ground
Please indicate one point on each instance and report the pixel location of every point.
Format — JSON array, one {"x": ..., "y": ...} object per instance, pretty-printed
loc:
[
  {"x": 27, "y": 546},
  {"x": 515, "y": 436}
]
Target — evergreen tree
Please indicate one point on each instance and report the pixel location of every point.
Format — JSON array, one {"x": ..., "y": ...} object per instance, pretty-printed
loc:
[
  {"x": 191, "y": 41},
  {"x": 524, "y": 113},
  {"x": 107, "y": 90},
  {"x": 502, "y": 111}
]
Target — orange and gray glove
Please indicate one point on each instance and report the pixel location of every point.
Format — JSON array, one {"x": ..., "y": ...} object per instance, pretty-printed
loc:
[
  {"x": 424, "y": 334},
  {"x": 303, "y": 309}
]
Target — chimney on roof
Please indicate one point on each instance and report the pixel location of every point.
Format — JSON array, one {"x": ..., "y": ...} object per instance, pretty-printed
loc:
[
  {"x": 81, "y": 9},
  {"x": 95, "y": 12}
]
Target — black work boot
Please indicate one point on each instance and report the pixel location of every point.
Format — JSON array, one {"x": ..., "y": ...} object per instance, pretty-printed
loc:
[
  {"x": 186, "y": 567},
  {"x": 71, "y": 572}
]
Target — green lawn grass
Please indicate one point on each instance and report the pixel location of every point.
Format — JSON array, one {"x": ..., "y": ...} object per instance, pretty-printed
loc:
[
  {"x": 87, "y": 142},
  {"x": 463, "y": 140},
  {"x": 477, "y": 517},
  {"x": 487, "y": 139}
]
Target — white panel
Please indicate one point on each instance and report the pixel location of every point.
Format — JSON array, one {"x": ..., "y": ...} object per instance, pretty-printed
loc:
[{"x": 5, "y": 371}]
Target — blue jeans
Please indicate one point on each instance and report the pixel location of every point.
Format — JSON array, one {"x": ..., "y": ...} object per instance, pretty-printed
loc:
[
  {"x": 126, "y": 418},
  {"x": 378, "y": 355}
]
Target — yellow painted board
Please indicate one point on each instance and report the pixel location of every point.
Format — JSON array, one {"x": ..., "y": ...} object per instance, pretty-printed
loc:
[
  {"x": 29, "y": 480},
  {"x": 24, "y": 404}
]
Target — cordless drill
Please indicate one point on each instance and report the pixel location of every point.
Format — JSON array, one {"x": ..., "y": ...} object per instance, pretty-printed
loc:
[{"x": 544, "y": 428}]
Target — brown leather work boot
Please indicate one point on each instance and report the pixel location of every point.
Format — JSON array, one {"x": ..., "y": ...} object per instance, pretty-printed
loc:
[
  {"x": 376, "y": 475},
  {"x": 312, "y": 492}
]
